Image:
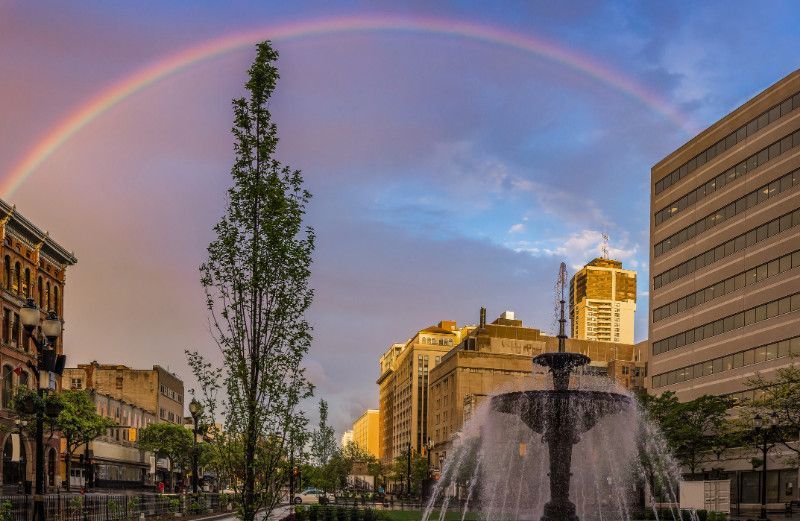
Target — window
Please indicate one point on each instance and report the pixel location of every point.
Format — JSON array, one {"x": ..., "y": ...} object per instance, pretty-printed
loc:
[
  {"x": 26, "y": 288},
  {"x": 7, "y": 268},
  {"x": 6, "y": 325},
  {"x": 16, "y": 285},
  {"x": 15, "y": 331},
  {"x": 40, "y": 289}
]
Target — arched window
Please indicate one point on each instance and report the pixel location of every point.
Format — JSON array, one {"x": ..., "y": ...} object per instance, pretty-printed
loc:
[
  {"x": 8, "y": 385},
  {"x": 7, "y": 268},
  {"x": 55, "y": 299},
  {"x": 26, "y": 289},
  {"x": 52, "y": 459},
  {"x": 17, "y": 276},
  {"x": 13, "y": 471},
  {"x": 40, "y": 288},
  {"x": 23, "y": 379},
  {"x": 47, "y": 291}
]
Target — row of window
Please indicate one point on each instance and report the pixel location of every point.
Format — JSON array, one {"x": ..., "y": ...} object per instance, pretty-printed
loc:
[
  {"x": 729, "y": 211},
  {"x": 727, "y": 248},
  {"x": 755, "y": 355},
  {"x": 745, "y": 131},
  {"x": 729, "y": 285},
  {"x": 436, "y": 341},
  {"x": 723, "y": 325},
  {"x": 22, "y": 286},
  {"x": 171, "y": 394}
]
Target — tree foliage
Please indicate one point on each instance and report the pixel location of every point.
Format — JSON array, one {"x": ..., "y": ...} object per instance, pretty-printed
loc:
[
  {"x": 78, "y": 422},
  {"x": 256, "y": 281},
  {"x": 169, "y": 440},
  {"x": 693, "y": 429},
  {"x": 323, "y": 442},
  {"x": 780, "y": 396}
]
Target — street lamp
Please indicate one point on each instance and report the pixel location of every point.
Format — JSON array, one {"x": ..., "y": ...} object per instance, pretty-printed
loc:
[
  {"x": 196, "y": 410},
  {"x": 47, "y": 361},
  {"x": 766, "y": 434}
]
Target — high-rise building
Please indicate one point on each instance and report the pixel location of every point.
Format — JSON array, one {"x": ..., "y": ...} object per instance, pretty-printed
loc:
[
  {"x": 725, "y": 250},
  {"x": 498, "y": 357},
  {"x": 602, "y": 302},
  {"x": 366, "y": 432},
  {"x": 34, "y": 267},
  {"x": 347, "y": 438},
  {"x": 403, "y": 385}
]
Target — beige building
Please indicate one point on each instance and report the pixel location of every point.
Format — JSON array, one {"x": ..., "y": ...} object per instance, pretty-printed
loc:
[
  {"x": 602, "y": 302},
  {"x": 498, "y": 356},
  {"x": 155, "y": 390},
  {"x": 725, "y": 250},
  {"x": 403, "y": 382},
  {"x": 366, "y": 432},
  {"x": 347, "y": 438},
  {"x": 115, "y": 462}
]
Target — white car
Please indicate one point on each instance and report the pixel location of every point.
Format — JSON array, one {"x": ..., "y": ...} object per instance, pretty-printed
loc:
[{"x": 309, "y": 495}]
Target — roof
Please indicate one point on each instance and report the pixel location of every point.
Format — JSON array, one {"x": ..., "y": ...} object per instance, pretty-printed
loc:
[{"x": 34, "y": 235}]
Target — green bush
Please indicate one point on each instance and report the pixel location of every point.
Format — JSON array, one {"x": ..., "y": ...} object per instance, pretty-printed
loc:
[
  {"x": 313, "y": 513},
  {"x": 702, "y": 515},
  {"x": 355, "y": 514},
  {"x": 6, "y": 511},
  {"x": 368, "y": 515}
]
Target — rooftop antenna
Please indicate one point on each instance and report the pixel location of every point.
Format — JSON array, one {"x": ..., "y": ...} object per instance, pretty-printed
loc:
[
  {"x": 604, "y": 246},
  {"x": 559, "y": 301}
]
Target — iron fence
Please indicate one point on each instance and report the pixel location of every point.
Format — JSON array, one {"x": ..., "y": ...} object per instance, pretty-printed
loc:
[{"x": 116, "y": 507}]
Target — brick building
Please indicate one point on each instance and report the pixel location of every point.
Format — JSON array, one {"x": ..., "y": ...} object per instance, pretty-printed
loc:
[{"x": 34, "y": 266}]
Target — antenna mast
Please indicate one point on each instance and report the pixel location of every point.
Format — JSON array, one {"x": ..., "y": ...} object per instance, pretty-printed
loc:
[{"x": 604, "y": 246}]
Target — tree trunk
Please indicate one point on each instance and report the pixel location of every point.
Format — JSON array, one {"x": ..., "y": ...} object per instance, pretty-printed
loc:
[{"x": 68, "y": 466}]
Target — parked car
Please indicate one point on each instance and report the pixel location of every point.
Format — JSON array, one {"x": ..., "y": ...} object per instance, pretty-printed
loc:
[{"x": 311, "y": 495}]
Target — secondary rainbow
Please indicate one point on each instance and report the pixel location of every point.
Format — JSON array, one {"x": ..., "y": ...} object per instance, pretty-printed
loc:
[{"x": 118, "y": 92}]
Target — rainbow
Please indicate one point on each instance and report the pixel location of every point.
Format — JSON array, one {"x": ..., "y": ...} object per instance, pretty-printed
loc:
[{"x": 59, "y": 134}]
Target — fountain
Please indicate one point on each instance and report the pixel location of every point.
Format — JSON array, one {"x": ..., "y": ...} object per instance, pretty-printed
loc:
[
  {"x": 559, "y": 444},
  {"x": 561, "y": 415}
]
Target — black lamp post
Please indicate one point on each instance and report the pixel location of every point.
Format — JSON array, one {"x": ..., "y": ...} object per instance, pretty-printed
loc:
[
  {"x": 766, "y": 436},
  {"x": 47, "y": 361},
  {"x": 408, "y": 470},
  {"x": 196, "y": 410}
]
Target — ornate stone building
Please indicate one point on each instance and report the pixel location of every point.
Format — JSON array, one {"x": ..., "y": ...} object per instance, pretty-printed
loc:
[{"x": 34, "y": 266}]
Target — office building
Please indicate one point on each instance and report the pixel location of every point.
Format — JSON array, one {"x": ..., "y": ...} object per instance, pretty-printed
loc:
[
  {"x": 366, "y": 432},
  {"x": 403, "y": 382},
  {"x": 602, "y": 302},
  {"x": 725, "y": 250}
]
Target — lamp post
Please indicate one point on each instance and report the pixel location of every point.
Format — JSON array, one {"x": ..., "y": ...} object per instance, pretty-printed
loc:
[
  {"x": 766, "y": 434},
  {"x": 408, "y": 470},
  {"x": 47, "y": 361},
  {"x": 196, "y": 410}
]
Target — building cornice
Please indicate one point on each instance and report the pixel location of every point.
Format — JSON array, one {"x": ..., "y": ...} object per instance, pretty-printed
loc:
[{"x": 34, "y": 236}]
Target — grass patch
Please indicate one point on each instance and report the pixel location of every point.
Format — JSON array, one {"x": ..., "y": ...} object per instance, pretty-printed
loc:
[{"x": 416, "y": 515}]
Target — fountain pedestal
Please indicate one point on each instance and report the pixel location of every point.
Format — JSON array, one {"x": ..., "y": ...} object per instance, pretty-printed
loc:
[{"x": 561, "y": 416}]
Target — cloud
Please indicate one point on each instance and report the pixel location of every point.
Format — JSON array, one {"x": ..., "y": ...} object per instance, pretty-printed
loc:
[{"x": 517, "y": 228}]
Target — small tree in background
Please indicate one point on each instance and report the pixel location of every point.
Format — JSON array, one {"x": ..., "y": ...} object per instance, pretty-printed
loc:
[
  {"x": 323, "y": 439},
  {"x": 169, "y": 440},
  {"x": 256, "y": 281}
]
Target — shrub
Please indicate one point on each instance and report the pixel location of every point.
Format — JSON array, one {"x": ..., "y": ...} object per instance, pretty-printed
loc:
[
  {"x": 341, "y": 513},
  {"x": 6, "y": 511},
  {"x": 313, "y": 513},
  {"x": 355, "y": 514},
  {"x": 702, "y": 515}
]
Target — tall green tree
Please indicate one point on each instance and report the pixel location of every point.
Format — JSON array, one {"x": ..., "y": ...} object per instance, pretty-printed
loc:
[
  {"x": 170, "y": 440},
  {"x": 323, "y": 440},
  {"x": 256, "y": 280}
]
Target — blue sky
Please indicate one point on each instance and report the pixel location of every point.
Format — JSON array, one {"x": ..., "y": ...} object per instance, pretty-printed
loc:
[{"x": 447, "y": 173}]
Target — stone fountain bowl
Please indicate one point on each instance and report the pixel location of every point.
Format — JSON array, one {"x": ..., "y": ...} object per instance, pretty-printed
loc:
[
  {"x": 570, "y": 411},
  {"x": 560, "y": 361}
]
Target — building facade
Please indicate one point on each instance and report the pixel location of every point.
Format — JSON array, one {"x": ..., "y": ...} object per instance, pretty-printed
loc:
[
  {"x": 347, "y": 437},
  {"x": 497, "y": 357},
  {"x": 34, "y": 267},
  {"x": 155, "y": 390},
  {"x": 724, "y": 259},
  {"x": 602, "y": 302},
  {"x": 725, "y": 250},
  {"x": 404, "y": 387},
  {"x": 113, "y": 461},
  {"x": 366, "y": 432}
]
